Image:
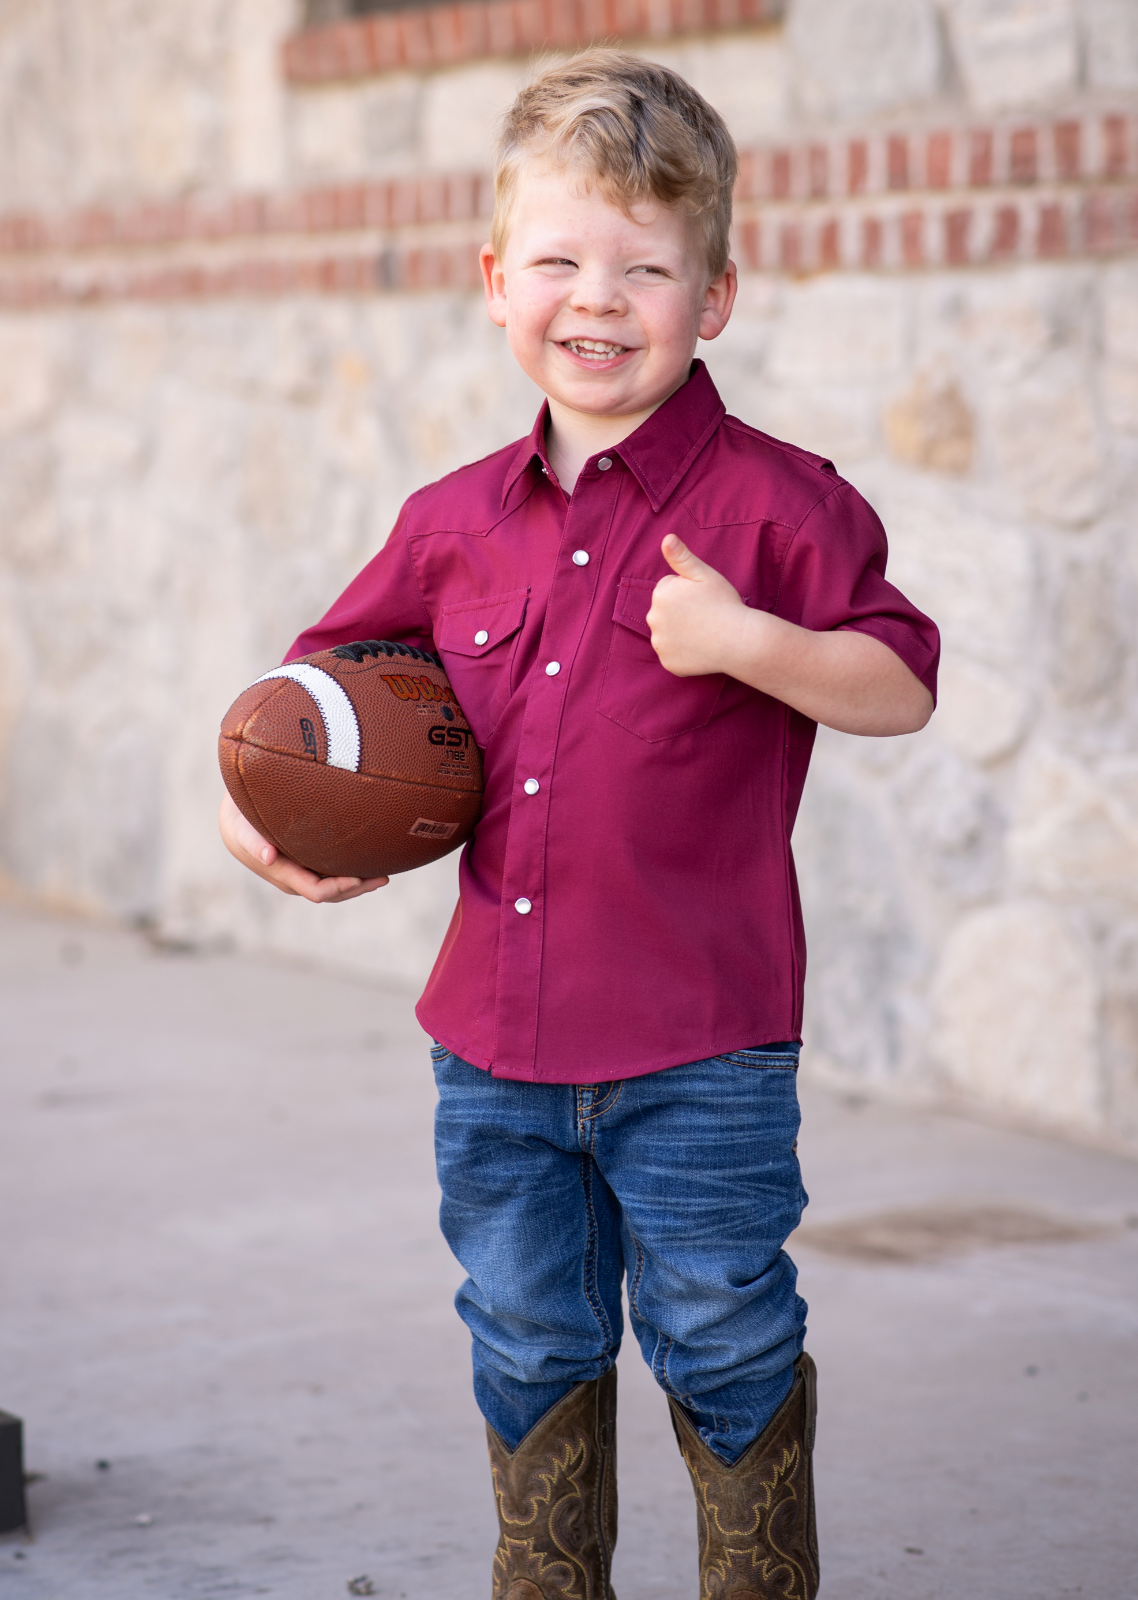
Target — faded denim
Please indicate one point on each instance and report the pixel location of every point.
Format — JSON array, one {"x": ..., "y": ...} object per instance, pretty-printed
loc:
[{"x": 686, "y": 1180}]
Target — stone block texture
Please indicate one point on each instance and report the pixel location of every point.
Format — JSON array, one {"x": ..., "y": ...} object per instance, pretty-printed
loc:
[{"x": 239, "y": 323}]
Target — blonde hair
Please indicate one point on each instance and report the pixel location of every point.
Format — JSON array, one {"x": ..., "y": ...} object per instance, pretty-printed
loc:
[{"x": 637, "y": 130}]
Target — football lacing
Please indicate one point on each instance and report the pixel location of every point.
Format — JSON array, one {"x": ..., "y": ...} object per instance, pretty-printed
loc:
[{"x": 372, "y": 647}]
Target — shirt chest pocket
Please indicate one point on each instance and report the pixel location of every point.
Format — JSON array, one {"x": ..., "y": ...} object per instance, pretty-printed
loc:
[
  {"x": 637, "y": 692},
  {"x": 478, "y": 640}
]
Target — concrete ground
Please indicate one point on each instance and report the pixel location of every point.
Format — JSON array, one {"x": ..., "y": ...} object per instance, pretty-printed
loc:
[{"x": 225, "y": 1315}]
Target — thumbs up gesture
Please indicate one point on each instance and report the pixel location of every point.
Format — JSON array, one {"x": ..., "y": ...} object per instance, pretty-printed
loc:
[{"x": 697, "y": 618}]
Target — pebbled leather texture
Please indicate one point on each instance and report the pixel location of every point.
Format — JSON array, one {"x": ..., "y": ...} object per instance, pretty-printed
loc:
[
  {"x": 757, "y": 1535},
  {"x": 556, "y": 1500},
  {"x": 419, "y": 766}
]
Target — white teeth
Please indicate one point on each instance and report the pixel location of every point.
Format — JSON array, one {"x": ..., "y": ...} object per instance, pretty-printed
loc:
[{"x": 594, "y": 349}]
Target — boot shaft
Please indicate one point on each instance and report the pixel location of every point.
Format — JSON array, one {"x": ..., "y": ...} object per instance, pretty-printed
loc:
[
  {"x": 757, "y": 1535},
  {"x": 556, "y": 1500}
]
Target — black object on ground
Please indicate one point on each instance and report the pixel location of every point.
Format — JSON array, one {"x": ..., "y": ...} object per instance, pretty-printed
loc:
[{"x": 13, "y": 1508}]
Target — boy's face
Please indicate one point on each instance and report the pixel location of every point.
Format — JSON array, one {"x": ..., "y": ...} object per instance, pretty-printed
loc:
[{"x": 602, "y": 310}]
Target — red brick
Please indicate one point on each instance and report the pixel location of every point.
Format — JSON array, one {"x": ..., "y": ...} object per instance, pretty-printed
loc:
[
  {"x": 897, "y": 161},
  {"x": 857, "y": 166},
  {"x": 596, "y": 22},
  {"x": 1129, "y": 205},
  {"x": 404, "y": 202},
  {"x": 531, "y": 27},
  {"x": 819, "y": 170},
  {"x": 938, "y": 160},
  {"x": 319, "y": 210},
  {"x": 957, "y": 228},
  {"x": 913, "y": 238},
  {"x": 1023, "y": 158},
  {"x": 780, "y": 174},
  {"x": 354, "y": 50},
  {"x": 474, "y": 28},
  {"x": 829, "y": 245},
  {"x": 385, "y": 44},
  {"x": 1068, "y": 150},
  {"x": 1099, "y": 232},
  {"x": 1005, "y": 233},
  {"x": 750, "y": 244},
  {"x": 980, "y": 158},
  {"x": 377, "y": 205},
  {"x": 348, "y": 205},
  {"x": 432, "y": 200},
  {"x": 445, "y": 31},
  {"x": 460, "y": 197},
  {"x": 501, "y": 35},
  {"x": 415, "y": 38},
  {"x": 871, "y": 240},
  {"x": 747, "y": 180},
  {"x": 1051, "y": 239},
  {"x": 1114, "y": 146},
  {"x": 790, "y": 247}
]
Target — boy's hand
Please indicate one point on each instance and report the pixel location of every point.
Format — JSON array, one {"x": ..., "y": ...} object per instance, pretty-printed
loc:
[
  {"x": 845, "y": 679},
  {"x": 695, "y": 616},
  {"x": 243, "y": 841}
]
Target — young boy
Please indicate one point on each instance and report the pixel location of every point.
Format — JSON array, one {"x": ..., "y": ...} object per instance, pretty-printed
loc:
[{"x": 645, "y": 608}]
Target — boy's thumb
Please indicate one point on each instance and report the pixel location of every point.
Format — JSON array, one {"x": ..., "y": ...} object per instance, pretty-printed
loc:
[{"x": 681, "y": 559}]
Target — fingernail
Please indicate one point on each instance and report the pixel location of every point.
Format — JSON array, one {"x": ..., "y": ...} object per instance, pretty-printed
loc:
[{"x": 265, "y": 855}]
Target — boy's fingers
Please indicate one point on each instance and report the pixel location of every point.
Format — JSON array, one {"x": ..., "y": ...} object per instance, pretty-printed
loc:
[{"x": 682, "y": 560}]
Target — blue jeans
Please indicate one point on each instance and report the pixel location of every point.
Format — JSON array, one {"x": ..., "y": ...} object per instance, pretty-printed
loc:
[{"x": 687, "y": 1180}]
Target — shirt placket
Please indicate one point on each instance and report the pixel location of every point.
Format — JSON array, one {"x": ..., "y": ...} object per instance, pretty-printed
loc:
[{"x": 524, "y": 903}]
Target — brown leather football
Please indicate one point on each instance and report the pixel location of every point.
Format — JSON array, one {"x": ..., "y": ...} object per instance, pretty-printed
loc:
[{"x": 356, "y": 762}]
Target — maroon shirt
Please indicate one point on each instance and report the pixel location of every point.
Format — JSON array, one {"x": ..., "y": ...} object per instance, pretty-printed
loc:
[{"x": 628, "y": 901}]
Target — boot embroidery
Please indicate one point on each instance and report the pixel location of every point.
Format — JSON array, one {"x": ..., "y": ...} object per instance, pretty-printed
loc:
[
  {"x": 747, "y": 1542},
  {"x": 554, "y": 1506}
]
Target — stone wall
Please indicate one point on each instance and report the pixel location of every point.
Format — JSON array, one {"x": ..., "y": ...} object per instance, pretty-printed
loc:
[{"x": 237, "y": 328}]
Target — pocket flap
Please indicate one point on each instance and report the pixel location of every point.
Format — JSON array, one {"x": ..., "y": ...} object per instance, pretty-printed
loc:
[
  {"x": 475, "y": 626},
  {"x": 633, "y": 602}
]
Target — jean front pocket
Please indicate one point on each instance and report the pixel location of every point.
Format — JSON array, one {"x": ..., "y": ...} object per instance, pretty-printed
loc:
[{"x": 637, "y": 692}]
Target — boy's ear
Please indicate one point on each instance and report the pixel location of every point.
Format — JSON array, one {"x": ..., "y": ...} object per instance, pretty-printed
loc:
[
  {"x": 494, "y": 284},
  {"x": 717, "y": 303}
]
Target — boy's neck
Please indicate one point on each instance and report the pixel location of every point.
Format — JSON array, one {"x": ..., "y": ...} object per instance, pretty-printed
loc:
[{"x": 573, "y": 436}]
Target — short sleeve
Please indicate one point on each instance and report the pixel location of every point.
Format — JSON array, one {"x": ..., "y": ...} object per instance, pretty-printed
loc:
[
  {"x": 833, "y": 576},
  {"x": 381, "y": 602}
]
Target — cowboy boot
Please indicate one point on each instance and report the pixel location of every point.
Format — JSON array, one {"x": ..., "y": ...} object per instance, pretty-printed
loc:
[
  {"x": 556, "y": 1498},
  {"x": 757, "y": 1539}
]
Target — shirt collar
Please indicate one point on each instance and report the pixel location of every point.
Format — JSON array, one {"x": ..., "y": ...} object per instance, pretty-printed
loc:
[{"x": 661, "y": 450}]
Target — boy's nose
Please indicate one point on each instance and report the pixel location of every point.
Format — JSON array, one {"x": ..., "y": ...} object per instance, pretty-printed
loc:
[{"x": 598, "y": 295}]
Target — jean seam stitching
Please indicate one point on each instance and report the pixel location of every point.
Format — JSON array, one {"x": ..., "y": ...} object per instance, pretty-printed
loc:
[
  {"x": 607, "y": 1104},
  {"x": 592, "y": 1298}
]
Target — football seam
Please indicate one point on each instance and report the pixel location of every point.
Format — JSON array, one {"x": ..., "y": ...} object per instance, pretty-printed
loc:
[{"x": 376, "y": 777}]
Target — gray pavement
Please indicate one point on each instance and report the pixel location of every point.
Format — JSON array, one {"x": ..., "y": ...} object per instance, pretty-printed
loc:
[{"x": 220, "y": 1276}]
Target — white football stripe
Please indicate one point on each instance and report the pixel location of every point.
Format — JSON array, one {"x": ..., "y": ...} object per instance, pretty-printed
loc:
[{"x": 337, "y": 712}]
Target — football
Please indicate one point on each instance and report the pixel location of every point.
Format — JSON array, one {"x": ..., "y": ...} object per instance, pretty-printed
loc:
[{"x": 355, "y": 762}]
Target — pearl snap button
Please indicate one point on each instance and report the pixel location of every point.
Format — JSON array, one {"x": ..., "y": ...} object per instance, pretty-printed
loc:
[
  {"x": 481, "y": 636},
  {"x": 531, "y": 786},
  {"x": 523, "y": 906},
  {"x": 604, "y": 464},
  {"x": 580, "y": 558},
  {"x": 552, "y": 668}
]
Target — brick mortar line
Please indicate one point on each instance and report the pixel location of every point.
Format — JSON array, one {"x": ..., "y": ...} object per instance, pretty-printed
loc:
[
  {"x": 1093, "y": 148},
  {"x": 1044, "y": 228}
]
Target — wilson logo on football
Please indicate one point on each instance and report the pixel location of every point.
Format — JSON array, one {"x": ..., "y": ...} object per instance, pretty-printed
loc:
[{"x": 405, "y": 688}]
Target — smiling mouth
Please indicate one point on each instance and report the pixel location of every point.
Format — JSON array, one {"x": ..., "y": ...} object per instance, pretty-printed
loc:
[{"x": 594, "y": 349}]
